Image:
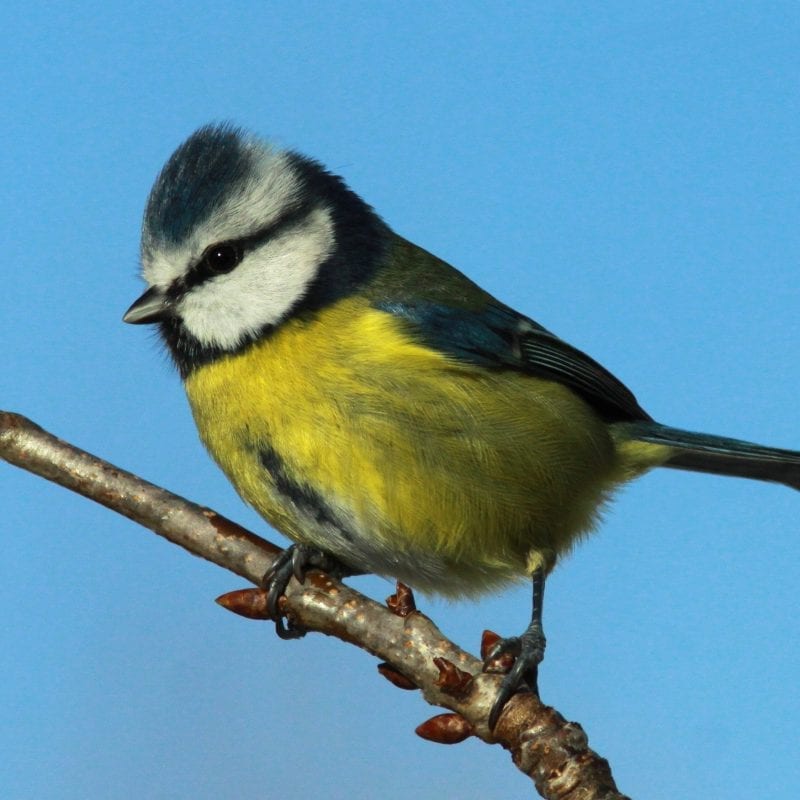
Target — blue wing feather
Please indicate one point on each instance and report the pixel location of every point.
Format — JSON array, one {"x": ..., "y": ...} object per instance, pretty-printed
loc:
[{"x": 498, "y": 337}]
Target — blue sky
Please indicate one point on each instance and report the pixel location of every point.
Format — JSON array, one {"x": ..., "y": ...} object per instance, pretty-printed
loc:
[{"x": 627, "y": 175}]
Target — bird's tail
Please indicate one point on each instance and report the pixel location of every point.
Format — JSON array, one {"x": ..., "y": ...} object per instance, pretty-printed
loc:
[{"x": 702, "y": 452}]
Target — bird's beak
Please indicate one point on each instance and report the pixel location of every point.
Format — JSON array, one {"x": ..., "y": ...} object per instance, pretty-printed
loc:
[{"x": 152, "y": 306}]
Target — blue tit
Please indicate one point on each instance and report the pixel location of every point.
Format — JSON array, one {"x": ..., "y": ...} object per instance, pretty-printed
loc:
[{"x": 374, "y": 404}]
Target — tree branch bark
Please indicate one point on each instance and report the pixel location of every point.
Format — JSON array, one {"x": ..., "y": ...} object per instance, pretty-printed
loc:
[{"x": 554, "y": 753}]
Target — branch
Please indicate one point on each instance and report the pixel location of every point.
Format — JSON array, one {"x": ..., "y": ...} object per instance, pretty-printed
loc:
[{"x": 554, "y": 753}]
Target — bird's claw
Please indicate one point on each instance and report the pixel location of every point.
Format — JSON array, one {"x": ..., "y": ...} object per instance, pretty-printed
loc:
[
  {"x": 276, "y": 579},
  {"x": 527, "y": 651},
  {"x": 294, "y": 562}
]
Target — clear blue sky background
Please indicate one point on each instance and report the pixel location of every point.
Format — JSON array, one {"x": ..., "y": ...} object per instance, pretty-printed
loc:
[{"x": 626, "y": 174}]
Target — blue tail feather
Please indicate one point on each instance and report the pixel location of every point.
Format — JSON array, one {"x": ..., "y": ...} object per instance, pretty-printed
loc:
[{"x": 703, "y": 452}]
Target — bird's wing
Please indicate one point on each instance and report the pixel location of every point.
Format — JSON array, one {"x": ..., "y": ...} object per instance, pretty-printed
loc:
[{"x": 496, "y": 336}]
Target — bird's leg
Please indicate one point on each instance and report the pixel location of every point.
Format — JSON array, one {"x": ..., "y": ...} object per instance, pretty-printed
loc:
[
  {"x": 528, "y": 652},
  {"x": 295, "y": 561}
]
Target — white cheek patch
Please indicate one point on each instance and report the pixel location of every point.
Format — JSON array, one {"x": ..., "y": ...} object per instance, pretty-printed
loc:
[{"x": 225, "y": 310}]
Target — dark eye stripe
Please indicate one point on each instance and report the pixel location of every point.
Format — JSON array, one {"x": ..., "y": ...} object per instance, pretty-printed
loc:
[{"x": 203, "y": 271}]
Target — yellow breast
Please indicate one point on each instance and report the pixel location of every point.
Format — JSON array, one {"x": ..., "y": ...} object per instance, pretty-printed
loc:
[{"x": 452, "y": 477}]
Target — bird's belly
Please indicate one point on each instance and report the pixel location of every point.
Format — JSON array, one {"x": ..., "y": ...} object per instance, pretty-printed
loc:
[{"x": 451, "y": 478}]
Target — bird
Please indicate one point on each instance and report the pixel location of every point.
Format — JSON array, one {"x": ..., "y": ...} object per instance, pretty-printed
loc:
[{"x": 374, "y": 404}]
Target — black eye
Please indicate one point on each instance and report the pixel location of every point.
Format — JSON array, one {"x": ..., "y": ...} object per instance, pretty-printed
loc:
[{"x": 221, "y": 258}]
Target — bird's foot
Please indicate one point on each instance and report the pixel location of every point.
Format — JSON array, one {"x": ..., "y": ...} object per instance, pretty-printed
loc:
[
  {"x": 294, "y": 562},
  {"x": 527, "y": 651}
]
